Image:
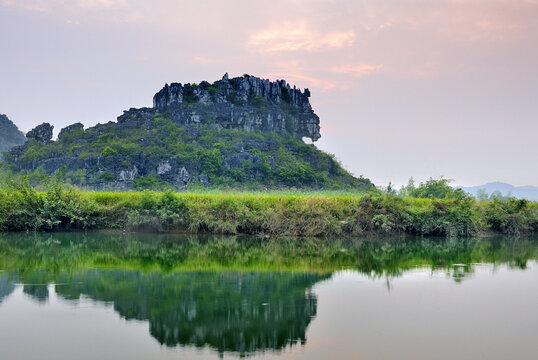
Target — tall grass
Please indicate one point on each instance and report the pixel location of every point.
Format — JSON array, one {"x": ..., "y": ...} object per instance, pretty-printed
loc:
[{"x": 56, "y": 208}]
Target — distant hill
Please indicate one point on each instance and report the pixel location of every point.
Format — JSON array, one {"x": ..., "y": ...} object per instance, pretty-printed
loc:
[
  {"x": 527, "y": 192},
  {"x": 235, "y": 132},
  {"x": 10, "y": 135}
]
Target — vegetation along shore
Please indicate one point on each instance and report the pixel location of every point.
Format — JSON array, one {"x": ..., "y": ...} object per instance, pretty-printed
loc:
[{"x": 440, "y": 211}]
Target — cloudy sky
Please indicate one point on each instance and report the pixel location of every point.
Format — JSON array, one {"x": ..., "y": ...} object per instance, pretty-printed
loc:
[{"x": 403, "y": 88}]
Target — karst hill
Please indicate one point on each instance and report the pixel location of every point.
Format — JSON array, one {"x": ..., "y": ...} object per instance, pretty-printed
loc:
[{"x": 235, "y": 132}]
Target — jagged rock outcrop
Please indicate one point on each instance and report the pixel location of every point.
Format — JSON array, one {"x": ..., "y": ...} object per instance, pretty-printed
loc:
[
  {"x": 243, "y": 130},
  {"x": 246, "y": 102},
  {"x": 71, "y": 129},
  {"x": 41, "y": 133},
  {"x": 10, "y": 135}
]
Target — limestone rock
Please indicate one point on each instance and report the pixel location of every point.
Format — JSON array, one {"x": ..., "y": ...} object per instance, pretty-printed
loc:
[
  {"x": 41, "y": 133},
  {"x": 77, "y": 127},
  {"x": 204, "y": 179},
  {"x": 184, "y": 139},
  {"x": 246, "y": 102}
]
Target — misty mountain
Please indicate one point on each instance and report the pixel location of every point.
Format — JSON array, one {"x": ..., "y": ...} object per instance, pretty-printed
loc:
[
  {"x": 10, "y": 135},
  {"x": 527, "y": 192}
]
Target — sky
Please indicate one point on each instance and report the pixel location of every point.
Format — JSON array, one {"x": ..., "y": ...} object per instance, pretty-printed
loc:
[{"x": 403, "y": 88}]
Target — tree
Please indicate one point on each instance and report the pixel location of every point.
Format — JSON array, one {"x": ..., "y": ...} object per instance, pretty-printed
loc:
[
  {"x": 436, "y": 188},
  {"x": 407, "y": 190},
  {"x": 497, "y": 195},
  {"x": 482, "y": 195}
]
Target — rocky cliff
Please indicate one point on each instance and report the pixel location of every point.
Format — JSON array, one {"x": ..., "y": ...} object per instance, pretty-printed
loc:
[
  {"x": 10, "y": 135},
  {"x": 243, "y": 131},
  {"x": 246, "y": 102}
]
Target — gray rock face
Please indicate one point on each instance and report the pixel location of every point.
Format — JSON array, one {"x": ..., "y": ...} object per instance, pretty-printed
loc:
[
  {"x": 77, "y": 127},
  {"x": 41, "y": 133},
  {"x": 143, "y": 114},
  {"x": 204, "y": 179},
  {"x": 246, "y": 102}
]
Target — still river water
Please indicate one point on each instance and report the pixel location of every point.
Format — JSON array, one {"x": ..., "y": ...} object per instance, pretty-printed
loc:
[{"x": 95, "y": 296}]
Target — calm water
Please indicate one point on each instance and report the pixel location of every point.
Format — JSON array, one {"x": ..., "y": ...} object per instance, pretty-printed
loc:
[{"x": 73, "y": 296}]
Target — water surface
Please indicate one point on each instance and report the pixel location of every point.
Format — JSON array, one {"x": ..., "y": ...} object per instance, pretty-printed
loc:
[{"x": 89, "y": 296}]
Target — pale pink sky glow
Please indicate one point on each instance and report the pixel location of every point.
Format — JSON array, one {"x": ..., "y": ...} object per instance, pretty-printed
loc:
[{"x": 403, "y": 88}]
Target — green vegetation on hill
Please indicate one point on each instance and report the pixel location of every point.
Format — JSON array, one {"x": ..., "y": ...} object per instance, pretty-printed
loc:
[
  {"x": 56, "y": 208},
  {"x": 225, "y": 157}
]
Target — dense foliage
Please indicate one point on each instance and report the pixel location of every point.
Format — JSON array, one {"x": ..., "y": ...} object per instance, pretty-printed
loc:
[
  {"x": 57, "y": 208},
  {"x": 432, "y": 188},
  {"x": 96, "y": 157}
]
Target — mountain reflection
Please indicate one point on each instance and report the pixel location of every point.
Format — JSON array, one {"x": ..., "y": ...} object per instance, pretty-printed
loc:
[
  {"x": 238, "y": 303},
  {"x": 228, "y": 311}
]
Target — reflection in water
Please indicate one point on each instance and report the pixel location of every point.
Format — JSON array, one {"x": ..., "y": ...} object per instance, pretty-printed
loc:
[
  {"x": 39, "y": 292},
  {"x": 377, "y": 257},
  {"x": 235, "y": 309},
  {"x": 241, "y": 312},
  {"x": 6, "y": 286},
  {"x": 229, "y": 311},
  {"x": 36, "y": 285}
]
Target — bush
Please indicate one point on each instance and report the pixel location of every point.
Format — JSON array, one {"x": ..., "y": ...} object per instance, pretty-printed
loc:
[
  {"x": 432, "y": 188},
  {"x": 57, "y": 208},
  {"x": 107, "y": 151},
  {"x": 158, "y": 214},
  {"x": 149, "y": 182},
  {"x": 512, "y": 217},
  {"x": 381, "y": 214},
  {"x": 188, "y": 94},
  {"x": 286, "y": 96}
]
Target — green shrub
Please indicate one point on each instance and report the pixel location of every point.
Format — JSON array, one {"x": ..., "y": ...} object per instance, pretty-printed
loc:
[
  {"x": 210, "y": 161},
  {"x": 381, "y": 213},
  {"x": 432, "y": 188},
  {"x": 286, "y": 96},
  {"x": 259, "y": 102},
  {"x": 149, "y": 182},
  {"x": 57, "y": 207},
  {"x": 107, "y": 151},
  {"x": 189, "y": 96},
  {"x": 23, "y": 208},
  {"x": 512, "y": 217}
]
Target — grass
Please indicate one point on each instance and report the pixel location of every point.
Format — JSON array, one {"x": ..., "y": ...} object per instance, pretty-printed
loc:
[{"x": 284, "y": 213}]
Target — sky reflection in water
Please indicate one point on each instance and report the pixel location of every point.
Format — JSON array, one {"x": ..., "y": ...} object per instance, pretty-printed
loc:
[{"x": 62, "y": 310}]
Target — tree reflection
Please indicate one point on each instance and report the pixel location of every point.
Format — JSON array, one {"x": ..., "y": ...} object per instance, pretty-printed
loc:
[
  {"x": 241, "y": 312},
  {"x": 6, "y": 286}
]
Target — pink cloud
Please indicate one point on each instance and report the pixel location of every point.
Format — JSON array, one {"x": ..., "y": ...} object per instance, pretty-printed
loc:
[
  {"x": 36, "y": 6},
  {"x": 299, "y": 37},
  {"x": 297, "y": 78},
  {"x": 200, "y": 60},
  {"x": 357, "y": 70}
]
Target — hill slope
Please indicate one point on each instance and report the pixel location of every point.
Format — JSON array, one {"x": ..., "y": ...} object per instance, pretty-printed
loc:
[
  {"x": 234, "y": 132},
  {"x": 10, "y": 135}
]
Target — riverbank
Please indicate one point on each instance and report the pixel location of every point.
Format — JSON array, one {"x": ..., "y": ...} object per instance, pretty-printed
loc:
[{"x": 22, "y": 208}]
